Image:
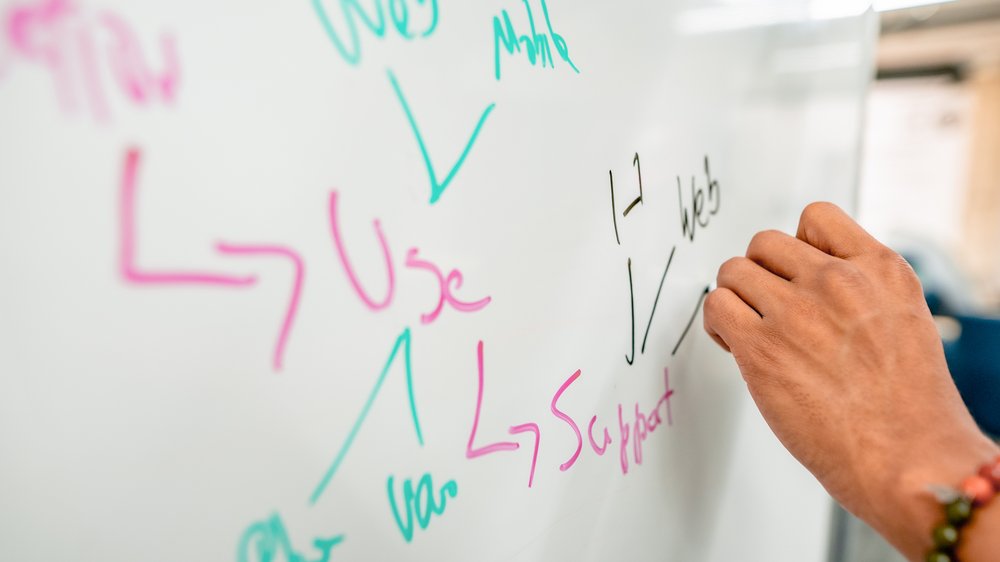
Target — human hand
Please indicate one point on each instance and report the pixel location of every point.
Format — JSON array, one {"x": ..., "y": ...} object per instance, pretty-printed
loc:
[{"x": 839, "y": 351}]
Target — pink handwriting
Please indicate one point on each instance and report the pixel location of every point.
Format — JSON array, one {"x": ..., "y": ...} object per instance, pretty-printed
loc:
[
  {"x": 63, "y": 38},
  {"x": 447, "y": 284},
  {"x": 472, "y": 452},
  {"x": 293, "y": 302},
  {"x": 644, "y": 424},
  {"x": 444, "y": 283},
  {"x": 135, "y": 275},
  {"x": 352, "y": 276},
  {"x": 590, "y": 433},
  {"x": 638, "y": 430},
  {"x": 129, "y": 67},
  {"x": 623, "y": 453},
  {"x": 632, "y": 433},
  {"x": 569, "y": 421},
  {"x": 127, "y": 258},
  {"x": 532, "y": 427}
]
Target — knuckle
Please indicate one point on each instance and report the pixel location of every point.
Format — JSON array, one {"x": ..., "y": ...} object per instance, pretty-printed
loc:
[
  {"x": 900, "y": 272},
  {"x": 762, "y": 241},
  {"x": 886, "y": 255},
  {"x": 814, "y": 213},
  {"x": 728, "y": 268},
  {"x": 891, "y": 266}
]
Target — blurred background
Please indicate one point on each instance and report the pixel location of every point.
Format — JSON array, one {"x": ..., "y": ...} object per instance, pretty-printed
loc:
[
  {"x": 931, "y": 175},
  {"x": 930, "y": 188}
]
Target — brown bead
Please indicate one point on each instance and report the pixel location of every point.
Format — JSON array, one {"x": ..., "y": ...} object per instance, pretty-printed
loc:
[
  {"x": 991, "y": 472},
  {"x": 980, "y": 490}
]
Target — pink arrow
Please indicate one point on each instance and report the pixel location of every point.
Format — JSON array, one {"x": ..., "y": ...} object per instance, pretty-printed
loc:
[{"x": 137, "y": 276}]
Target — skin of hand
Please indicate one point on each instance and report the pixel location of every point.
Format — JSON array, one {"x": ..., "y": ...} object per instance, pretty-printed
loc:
[{"x": 839, "y": 351}]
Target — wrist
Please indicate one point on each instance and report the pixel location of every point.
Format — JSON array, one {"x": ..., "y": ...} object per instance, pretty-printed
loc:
[{"x": 905, "y": 511}]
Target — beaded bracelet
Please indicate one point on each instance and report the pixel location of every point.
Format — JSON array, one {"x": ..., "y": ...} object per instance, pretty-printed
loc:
[{"x": 974, "y": 492}]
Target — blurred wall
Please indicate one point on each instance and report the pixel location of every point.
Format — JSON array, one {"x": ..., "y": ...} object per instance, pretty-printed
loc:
[{"x": 931, "y": 178}]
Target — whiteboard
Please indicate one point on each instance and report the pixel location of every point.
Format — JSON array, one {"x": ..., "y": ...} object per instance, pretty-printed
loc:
[{"x": 394, "y": 280}]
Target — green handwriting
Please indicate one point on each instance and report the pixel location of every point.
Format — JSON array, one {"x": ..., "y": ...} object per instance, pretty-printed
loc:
[
  {"x": 399, "y": 11},
  {"x": 263, "y": 540},
  {"x": 420, "y": 501},
  {"x": 402, "y": 342},
  {"x": 437, "y": 187},
  {"x": 536, "y": 45}
]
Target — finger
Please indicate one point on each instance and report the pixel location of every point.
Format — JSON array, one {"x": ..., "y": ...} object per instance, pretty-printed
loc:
[
  {"x": 756, "y": 286},
  {"x": 728, "y": 320},
  {"x": 785, "y": 256},
  {"x": 828, "y": 228}
]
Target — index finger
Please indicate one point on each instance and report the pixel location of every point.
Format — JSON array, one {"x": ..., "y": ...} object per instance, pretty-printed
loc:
[
  {"x": 728, "y": 319},
  {"x": 828, "y": 228}
]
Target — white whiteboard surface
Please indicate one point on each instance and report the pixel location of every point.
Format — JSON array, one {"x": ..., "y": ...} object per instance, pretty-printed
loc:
[{"x": 204, "y": 349}]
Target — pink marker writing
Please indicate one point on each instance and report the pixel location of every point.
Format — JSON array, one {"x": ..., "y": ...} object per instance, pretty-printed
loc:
[
  {"x": 599, "y": 449},
  {"x": 533, "y": 428},
  {"x": 128, "y": 65},
  {"x": 292, "y": 256},
  {"x": 68, "y": 40},
  {"x": 352, "y": 276},
  {"x": 644, "y": 424},
  {"x": 446, "y": 284},
  {"x": 623, "y": 441},
  {"x": 39, "y": 33},
  {"x": 130, "y": 271},
  {"x": 471, "y": 451},
  {"x": 569, "y": 421},
  {"x": 134, "y": 275}
]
